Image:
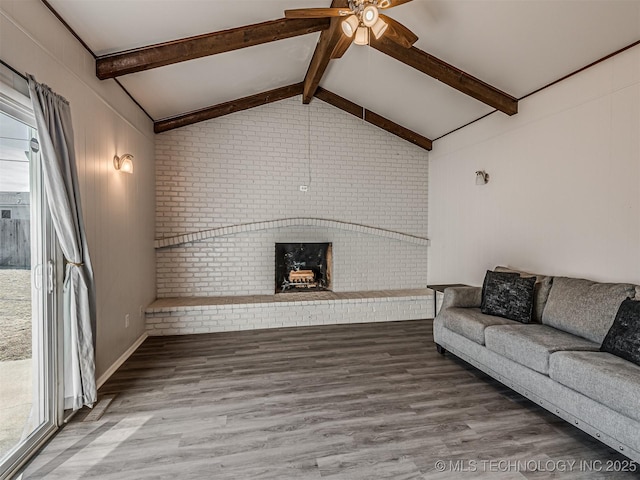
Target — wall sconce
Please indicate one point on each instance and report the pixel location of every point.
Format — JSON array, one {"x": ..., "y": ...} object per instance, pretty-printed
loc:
[
  {"x": 482, "y": 177},
  {"x": 124, "y": 163}
]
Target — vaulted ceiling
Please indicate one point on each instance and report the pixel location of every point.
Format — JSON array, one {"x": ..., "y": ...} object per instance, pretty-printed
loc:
[{"x": 472, "y": 56}]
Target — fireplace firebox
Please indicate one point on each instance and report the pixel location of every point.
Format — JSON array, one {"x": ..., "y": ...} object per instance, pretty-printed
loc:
[{"x": 303, "y": 267}]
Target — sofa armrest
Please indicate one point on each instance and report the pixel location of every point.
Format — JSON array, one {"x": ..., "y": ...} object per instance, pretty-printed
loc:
[{"x": 465, "y": 297}]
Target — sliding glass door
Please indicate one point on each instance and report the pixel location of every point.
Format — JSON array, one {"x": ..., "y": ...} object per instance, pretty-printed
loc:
[{"x": 28, "y": 390}]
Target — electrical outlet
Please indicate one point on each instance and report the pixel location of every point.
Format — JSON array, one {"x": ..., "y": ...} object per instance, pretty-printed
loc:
[
  {"x": 304, "y": 188},
  {"x": 126, "y": 321}
]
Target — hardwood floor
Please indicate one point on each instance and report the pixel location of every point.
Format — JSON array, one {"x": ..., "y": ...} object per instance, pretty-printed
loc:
[{"x": 363, "y": 401}]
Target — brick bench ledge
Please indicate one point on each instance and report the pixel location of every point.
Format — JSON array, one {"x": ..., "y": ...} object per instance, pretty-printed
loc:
[{"x": 176, "y": 304}]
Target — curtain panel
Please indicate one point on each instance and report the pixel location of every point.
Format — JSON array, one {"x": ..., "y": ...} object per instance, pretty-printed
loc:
[{"x": 60, "y": 178}]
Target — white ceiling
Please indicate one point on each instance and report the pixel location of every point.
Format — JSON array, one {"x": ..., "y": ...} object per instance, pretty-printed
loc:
[
  {"x": 187, "y": 86},
  {"x": 517, "y": 46}
]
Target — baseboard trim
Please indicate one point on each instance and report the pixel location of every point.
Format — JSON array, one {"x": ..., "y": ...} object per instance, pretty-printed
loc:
[{"x": 123, "y": 358}]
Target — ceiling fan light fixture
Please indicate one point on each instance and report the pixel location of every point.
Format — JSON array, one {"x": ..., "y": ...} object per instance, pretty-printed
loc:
[
  {"x": 349, "y": 25},
  {"x": 362, "y": 36},
  {"x": 379, "y": 28},
  {"x": 370, "y": 15}
]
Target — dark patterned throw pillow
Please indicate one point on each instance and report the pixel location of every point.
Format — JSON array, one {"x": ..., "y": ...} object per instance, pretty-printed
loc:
[
  {"x": 623, "y": 338},
  {"x": 508, "y": 295}
]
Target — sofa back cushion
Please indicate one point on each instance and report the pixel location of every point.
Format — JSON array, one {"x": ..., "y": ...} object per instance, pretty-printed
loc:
[
  {"x": 583, "y": 307},
  {"x": 540, "y": 294}
]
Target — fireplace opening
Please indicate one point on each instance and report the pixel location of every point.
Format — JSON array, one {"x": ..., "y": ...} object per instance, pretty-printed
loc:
[{"x": 303, "y": 267}]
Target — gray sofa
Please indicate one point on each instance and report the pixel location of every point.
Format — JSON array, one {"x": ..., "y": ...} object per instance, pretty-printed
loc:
[{"x": 554, "y": 361}]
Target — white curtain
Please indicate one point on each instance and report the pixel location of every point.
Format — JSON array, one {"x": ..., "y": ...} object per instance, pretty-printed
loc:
[{"x": 53, "y": 119}]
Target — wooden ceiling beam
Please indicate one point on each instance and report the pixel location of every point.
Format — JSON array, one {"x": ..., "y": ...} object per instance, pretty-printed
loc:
[
  {"x": 341, "y": 47},
  {"x": 287, "y": 92},
  {"x": 332, "y": 44},
  {"x": 373, "y": 118},
  {"x": 161, "y": 54},
  {"x": 398, "y": 130},
  {"x": 448, "y": 74},
  {"x": 227, "y": 107}
]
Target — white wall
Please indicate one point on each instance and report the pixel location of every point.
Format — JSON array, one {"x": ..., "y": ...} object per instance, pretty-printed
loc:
[
  {"x": 564, "y": 193},
  {"x": 118, "y": 208},
  {"x": 248, "y": 167}
]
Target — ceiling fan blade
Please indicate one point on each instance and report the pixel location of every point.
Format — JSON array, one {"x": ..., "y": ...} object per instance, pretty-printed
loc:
[
  {"x": 392, "y": 3},
  {"x": 399, "y": 33},
  {"x": 317, "y": 12}
]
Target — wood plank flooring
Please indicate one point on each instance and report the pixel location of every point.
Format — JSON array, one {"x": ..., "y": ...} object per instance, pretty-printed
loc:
[{"x": 361, "y": 401}]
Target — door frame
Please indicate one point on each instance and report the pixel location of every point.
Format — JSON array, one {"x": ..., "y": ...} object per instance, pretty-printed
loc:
[{"x": 45, "y": 287}]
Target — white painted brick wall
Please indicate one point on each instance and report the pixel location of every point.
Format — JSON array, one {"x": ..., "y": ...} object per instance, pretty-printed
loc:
[
  {"x": 244, "y": 264},
  {"x": 223, "y": 318},
  {"x": 248, "y": 166}
]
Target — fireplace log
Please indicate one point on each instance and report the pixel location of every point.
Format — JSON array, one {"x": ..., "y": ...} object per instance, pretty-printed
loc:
[{"x": 301, "y": 276}]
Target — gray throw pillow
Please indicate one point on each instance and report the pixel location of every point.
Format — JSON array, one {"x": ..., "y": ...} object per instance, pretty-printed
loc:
[
  {"x": 508, "y": 295},
  {"x": 623, "y": 338}
]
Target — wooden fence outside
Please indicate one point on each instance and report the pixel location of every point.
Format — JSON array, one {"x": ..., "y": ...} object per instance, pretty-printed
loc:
[{"x": 15, "y": 243}]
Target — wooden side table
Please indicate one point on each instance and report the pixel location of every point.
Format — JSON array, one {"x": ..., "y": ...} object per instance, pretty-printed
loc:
[{"x": 441, "y": 288}]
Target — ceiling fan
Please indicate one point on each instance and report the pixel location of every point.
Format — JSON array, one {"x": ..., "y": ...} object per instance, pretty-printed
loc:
[{"x": 361, "y": 18}]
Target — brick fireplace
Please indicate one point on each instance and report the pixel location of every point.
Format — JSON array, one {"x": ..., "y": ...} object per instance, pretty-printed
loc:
[{"x": 228, "y": 192}]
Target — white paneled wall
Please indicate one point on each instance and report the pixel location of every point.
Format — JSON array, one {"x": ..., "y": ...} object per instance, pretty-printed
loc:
[
  {"x": 118, "y": 208},
  {"x": 564, "y": 194},
  {"x": 248, "y": 167}
]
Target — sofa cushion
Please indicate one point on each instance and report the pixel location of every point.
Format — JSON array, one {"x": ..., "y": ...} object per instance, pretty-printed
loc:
[
  {"x": 583, "y": 307},
  {"x": 531, "y": 345},
  {"x": 600, "y": 376},
  {"x": 508, "y": 295},
  {"x": 541, "y": 292},
  {"x": 637, "y": 297},
  {"x": 623, "y": 338},
  {"x": 470, "y": 322}
]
